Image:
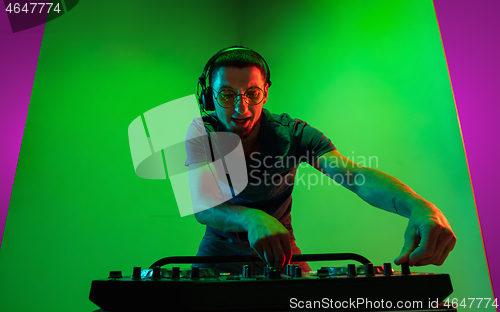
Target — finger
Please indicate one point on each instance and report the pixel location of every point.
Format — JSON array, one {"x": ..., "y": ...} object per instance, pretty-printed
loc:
[
  {"x": 282, "y": 250},
  {"x": 287, "y": 249},
  {"x": 260, "y": 251},
  {"x": 443, "y": 241},
  {"x": 411, "y": 242},
  {"x": 429, "y": 238},
  {"x": 268, "y": 253},
  {"x": 279, "y": 255},
  {"x": 447, "y": 251},
  {"x": 445, "y": 244}
]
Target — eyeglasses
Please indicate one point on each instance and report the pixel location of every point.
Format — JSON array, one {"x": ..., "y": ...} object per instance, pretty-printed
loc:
[{"x": 252, "y": 96}]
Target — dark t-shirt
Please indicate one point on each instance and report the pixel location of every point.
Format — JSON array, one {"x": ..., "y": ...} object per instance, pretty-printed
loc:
[{"x": 285, "y": 143}]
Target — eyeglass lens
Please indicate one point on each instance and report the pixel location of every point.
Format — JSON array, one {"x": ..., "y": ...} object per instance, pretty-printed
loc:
[{"x": 252, "y": 96}]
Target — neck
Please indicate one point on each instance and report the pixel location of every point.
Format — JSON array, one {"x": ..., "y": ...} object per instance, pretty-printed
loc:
[{"x": 252, "y": 142}]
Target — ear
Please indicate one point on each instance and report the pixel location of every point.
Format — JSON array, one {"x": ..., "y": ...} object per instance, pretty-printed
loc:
[{"x": 266, "y": 88}]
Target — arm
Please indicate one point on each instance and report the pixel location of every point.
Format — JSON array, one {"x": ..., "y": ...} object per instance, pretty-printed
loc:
[
  {"x": 266, "y": 235},
  {"x": 427, "y": 225}
]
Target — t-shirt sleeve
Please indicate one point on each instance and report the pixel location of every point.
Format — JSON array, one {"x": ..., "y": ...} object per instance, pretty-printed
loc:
[
  {"x": 312, "y": 143},
  {"x": 195, "y": 142}
]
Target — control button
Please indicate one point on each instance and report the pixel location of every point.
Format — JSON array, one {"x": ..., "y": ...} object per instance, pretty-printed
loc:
[
  {"x": 245, "y": 271},
  {"x": 115, "y": 274},
  {"x": 336, "y": 270},
  {"x": 297, "y": 271},
  {"x": 176, "y": 273},
  {"x": 268, "y": 270},
  {"x": 195, "y": 272},
  {"x": 136, "y": 273},
  {"x": 275, "y": 274},
  {"x": 405, "y": 268},
  {"x": 369, "y": 271},
  {"x": 156, "y": 272},
  {"x": 323, "y": 273},
  {"x": 351, "y": 270},
  {"x": 387, "y": 269}
]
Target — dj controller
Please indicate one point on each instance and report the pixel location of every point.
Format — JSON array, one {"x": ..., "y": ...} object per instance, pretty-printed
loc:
[{"x": 362, "y": 287}]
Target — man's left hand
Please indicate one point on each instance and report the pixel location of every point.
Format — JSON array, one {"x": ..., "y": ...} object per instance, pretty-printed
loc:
[{"x": 428, "y": 238}]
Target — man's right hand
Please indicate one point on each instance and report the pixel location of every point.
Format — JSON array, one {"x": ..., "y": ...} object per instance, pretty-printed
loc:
[
  {"x": 266, "y": 235},
  {"x": 269, "y": 238}
]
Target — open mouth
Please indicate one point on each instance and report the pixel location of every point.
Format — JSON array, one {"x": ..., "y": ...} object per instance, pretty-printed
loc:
[{"x": 240, "y": 122}]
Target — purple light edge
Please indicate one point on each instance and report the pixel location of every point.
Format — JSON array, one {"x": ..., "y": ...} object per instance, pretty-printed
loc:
[
  {"x": 18, "y": 64},
  {"x": 467, "y": 31}
]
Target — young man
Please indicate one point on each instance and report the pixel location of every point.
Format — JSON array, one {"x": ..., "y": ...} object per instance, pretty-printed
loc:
[{"x": 257, "y": 221}]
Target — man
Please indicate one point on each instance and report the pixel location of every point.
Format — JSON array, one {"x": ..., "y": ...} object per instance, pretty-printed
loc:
[{"x": 258, "y": 221}]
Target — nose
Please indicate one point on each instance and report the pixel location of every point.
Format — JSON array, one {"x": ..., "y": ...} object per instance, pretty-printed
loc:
[{"x": 240, "y": 105}]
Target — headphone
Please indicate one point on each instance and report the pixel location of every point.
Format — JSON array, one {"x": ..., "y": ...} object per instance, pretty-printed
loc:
[{"x": 205, "y": 97}]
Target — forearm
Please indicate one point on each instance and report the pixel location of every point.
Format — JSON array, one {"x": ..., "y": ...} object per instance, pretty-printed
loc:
[
  {"x": 227, "y": 217},
  {"x": 211, "y": 209},
  {"x": 428, "y": 237},
  {"x": 388, "y": 193}
]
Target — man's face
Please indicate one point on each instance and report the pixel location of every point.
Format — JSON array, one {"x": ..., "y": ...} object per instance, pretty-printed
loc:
[{"x": 242, "y": 117}]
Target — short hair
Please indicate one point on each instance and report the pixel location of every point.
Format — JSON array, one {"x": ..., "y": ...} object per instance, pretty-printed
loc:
[{"x": 239, "y": 58}]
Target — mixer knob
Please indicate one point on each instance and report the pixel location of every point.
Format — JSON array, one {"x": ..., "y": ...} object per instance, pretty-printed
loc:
[
  {"x": 323, "y": 273},
  {"x": 297, "y": 271},
  {"x": 351, "y": 270},
  {"x": 405, "y": 268},
  {"x": 289, "y": 270},
  {"x": 387, "y": 269},
  {"x": 245, "y": 271},
  {"x": 369, "y": 270},
  {"x": 275, "y": 274},
  {"x": 136, "y": 273},
  {"x": 156, "y": 272},
  {"x": 115, "y": 274},
  {"x": 195, "y": 272},
  {"x": 176, "y": 273},
  {"x": 268, "y": 270}
]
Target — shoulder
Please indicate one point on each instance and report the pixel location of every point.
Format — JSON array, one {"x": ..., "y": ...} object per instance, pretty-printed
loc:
[
  {"x": 297, "y": 128},
  {"x": 283, "y": 120}
]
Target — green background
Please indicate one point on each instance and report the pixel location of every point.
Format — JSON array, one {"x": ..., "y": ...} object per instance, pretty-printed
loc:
[{"x": 370, "y": 74}]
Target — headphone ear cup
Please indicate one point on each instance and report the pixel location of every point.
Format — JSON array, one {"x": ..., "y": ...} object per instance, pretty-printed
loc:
[{"x": 208, "y": 100}]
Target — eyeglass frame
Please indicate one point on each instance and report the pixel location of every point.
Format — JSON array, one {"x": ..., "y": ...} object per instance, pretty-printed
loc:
[{"x": 237, "y": 95}]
